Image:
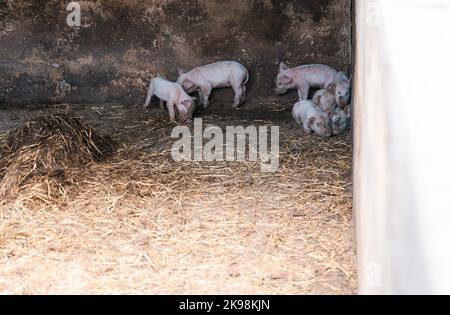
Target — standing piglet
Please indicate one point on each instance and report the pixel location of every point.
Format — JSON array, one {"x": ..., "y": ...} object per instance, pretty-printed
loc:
[
  {"x": 312, "y": 118},
  {"x": 325, "y": 99},
  {"x": 341, "y": 120},
  {"x": 303, "y": 78},
  {"x": 176, "y": 98},
  {"x": 341, "y": 89},
  {"x": 217, "y": 75}
]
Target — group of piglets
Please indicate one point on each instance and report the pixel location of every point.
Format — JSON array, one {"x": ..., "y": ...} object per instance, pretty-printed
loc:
[
  {"x": 328, "y": 113},
  {"x": 202, "y": 79}
]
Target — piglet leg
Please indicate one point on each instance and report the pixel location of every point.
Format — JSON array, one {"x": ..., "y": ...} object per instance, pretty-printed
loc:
[
  {"x": 237, "y": 96},
  {"x": 149, "y": 96},
  {"x": 307, "y": 126},
  {"x": 303, "y": 92},
  {"x": 240, "y": 93},
  {"x": 171, "y": 108},
  {"x": 205, "y": 92},
  {"x": 244, "y": 94}
]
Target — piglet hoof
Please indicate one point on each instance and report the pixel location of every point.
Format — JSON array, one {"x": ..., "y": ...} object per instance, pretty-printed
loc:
[
  {"x": 236, "y": 106},
  {"x": 241, "y": 104}
]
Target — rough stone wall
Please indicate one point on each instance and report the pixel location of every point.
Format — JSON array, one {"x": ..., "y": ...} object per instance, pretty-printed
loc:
[{"x": 121, "y": 44}]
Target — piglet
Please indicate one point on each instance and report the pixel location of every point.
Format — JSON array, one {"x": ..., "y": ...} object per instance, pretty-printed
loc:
[
  {"x": 341, "y": 89},
  {"x": 303, "y": 78},
  {"x": 312, "y": 118},
  {"x": 217, "y": 75},
  {"x": 341, "y": 120},
  {"x": 176, "y": 98},
  {"x": 325, "y": 99}
]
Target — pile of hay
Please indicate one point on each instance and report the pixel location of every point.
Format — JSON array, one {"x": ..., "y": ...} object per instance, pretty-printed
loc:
[{"x": 47, "y": 146}]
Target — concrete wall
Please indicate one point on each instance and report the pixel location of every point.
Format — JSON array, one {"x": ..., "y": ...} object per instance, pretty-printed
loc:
[
  {"x": 123, "y": 43},
  {"x": 402, "y": 150}
]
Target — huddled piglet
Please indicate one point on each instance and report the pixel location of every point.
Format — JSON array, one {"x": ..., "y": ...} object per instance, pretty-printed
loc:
[
  {"x": 341, "y": 120},
  {"x": 312, "y": 118},
  {"x": 341, "y": 89},
  {"x": 217, "y": 75},
  {"x": 178, "y": 101},
  {"x": 303, "y": 78},
  {"x": 325, "y": 99}
]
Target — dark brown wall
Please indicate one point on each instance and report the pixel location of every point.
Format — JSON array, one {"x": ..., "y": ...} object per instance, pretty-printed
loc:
[{"x": 123, "y": 43}]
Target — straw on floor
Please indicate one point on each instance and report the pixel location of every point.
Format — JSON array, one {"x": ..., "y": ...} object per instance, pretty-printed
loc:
[{"x": 138, "y": 222}]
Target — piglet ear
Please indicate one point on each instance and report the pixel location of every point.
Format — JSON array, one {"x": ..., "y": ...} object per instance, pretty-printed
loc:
[
  {"x": 187, "y": 103},
  {"x": 287, "y": 80},
  {"x": 283, "y": 66},
  {"x": 315, "y": 99},
  {"x": 310, "y": 121},
  {"x": 188, "y": 84},
  {"x": 181, "y": 71},
  {"x": 332, "y": 87}
]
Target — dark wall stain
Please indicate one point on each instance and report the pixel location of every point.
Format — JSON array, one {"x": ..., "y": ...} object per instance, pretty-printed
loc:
[{"x": 122, "y": 44}]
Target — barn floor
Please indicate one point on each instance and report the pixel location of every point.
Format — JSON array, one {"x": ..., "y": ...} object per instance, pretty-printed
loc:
[{"x": 141, "y": 223}]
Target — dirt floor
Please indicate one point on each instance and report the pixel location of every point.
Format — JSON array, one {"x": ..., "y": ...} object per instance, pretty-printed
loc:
[{"x": 141, "y": 223}]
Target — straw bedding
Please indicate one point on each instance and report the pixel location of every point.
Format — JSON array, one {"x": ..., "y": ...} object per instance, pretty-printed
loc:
[
  {"x": 47, "y": 146},
  {"x": 136, "y": 222}
]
